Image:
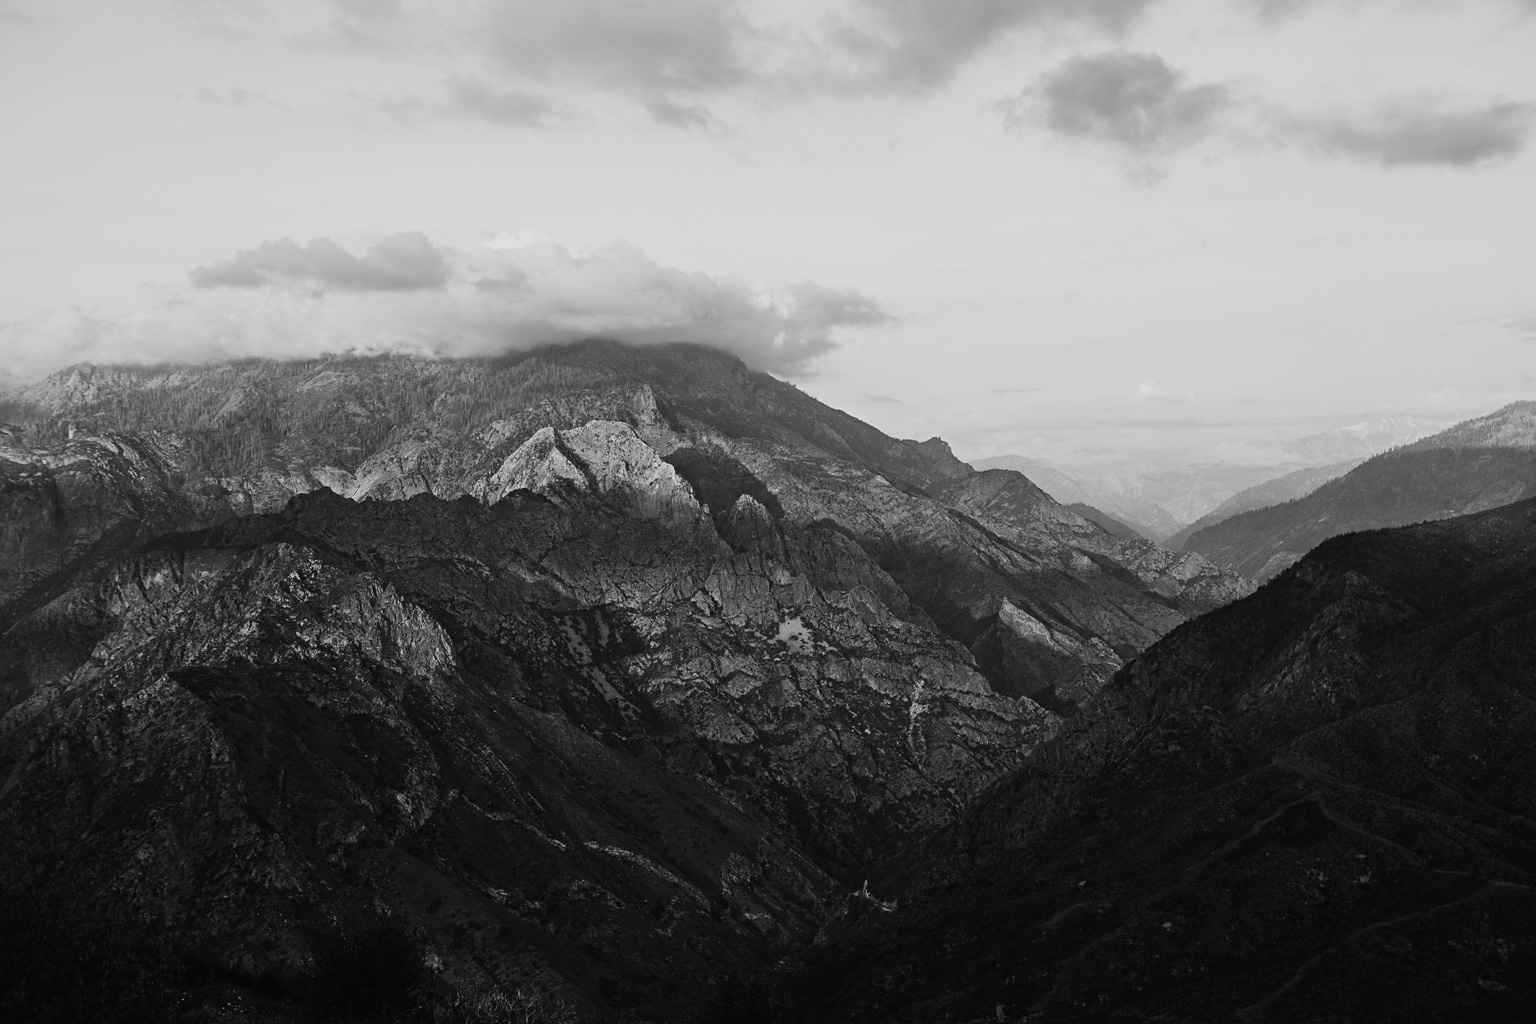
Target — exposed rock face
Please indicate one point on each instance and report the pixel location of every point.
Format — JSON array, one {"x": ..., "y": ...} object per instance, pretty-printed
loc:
[
  {"x": 57, "y": 502},
  {"x": 573, "y": 741},
  {"x": 607, "y": 667},
  {"x": 1313, "y": 803},
  {"x": 660, "y": 432},
  {"x": 603, "y": 458},
  {"x": 1190, "y": 582}
]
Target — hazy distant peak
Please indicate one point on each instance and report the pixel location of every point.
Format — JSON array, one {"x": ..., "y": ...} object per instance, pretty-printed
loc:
[{"x": 1363, "y": 439}]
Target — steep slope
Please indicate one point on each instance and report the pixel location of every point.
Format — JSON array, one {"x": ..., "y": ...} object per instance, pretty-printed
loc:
[
  {"x": 1513, "y": 426},
  {"x": 587, "y": 737},
  {"x": 1289, "y": 487},
  {"x": 59, "y": 502},
  {"x": 1313, "y": 804},
  {"x": 1477, "y": 465},
  {"x": 1106, "y": 522},
  {"x": 1127, "y": 573},
  {"x": 1147, "y": 518},
  {"x": 251, "y": 435}
]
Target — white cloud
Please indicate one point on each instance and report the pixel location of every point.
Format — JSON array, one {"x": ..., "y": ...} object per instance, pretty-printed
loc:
[{"x": 404, "y": 294}]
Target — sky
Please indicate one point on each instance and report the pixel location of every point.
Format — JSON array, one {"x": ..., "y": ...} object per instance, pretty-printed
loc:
[{"x": 1044, "y": 227}]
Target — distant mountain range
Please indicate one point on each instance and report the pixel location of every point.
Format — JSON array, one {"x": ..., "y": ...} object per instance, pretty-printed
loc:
[
  {"x": 1271, "y": 492},
  {"x": 1146, "y": 517},
  {"x": 1165, "y": 502},
  {"x": 1476, "y": 465}
]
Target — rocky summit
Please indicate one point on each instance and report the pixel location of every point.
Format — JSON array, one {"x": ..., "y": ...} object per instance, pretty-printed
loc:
[{"x": 608, "y": 683}]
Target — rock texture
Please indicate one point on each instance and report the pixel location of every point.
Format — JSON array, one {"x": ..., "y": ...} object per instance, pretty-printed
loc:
[
  {"x": 602, "y": 672},
  {"x": 666, "y": 417},
  {"x": 1313, "y": 804},
  {"x": 572, "y": 743}
]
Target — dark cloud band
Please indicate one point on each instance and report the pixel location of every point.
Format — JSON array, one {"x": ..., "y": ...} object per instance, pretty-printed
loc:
[
  {"x": 1135, "y": 101},
  {"x": 1426, "y": 134}
]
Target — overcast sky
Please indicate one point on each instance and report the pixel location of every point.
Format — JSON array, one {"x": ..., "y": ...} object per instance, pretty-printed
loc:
[{"x": 1030, "y": 226}]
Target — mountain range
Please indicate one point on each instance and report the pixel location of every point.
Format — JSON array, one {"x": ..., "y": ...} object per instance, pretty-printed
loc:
[
  {"x": 1297, "y": 484},
  {"x": 1313, "y": 804},
  {"x": 609, "y": 683},
  {"x": 1479, "y": 464},
  {"x": 1165, "y": 502},
  {"x": 598, "y": 675}
]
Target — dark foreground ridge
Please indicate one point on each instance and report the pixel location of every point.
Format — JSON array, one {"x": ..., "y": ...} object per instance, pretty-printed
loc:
[{"x": 1315, "y": 804}]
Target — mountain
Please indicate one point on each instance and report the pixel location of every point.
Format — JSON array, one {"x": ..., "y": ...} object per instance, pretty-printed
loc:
[
  {"x": 1480, "y": 464},
  {"x": 1271, "y": 492},
  {"x": 248, "y": 436},
  {"x": 598, "y": 675},
  {"x": 581, "y": 732},
  {"x": 1106, "y": 522},
  {"x": 1158, "y": 500},
  {"x": 1513, "y": 426},
  {"x": 1312, "y": 804},
  {"x": 1361, "y": 440},
  {"x": 1147, "y": 518}
]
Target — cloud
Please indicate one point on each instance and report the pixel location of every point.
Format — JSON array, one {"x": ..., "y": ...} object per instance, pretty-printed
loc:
[
  {"x": 1013, "y": 391},
  {"x": 1152, "y": 391},
  {"x": 674, "y": 58},
  {"x": 1134, "y": 101},
  {"x": 916, "y": 45},
  {"x": 478, "y": 100},
  {"x": 398, "y": 263},
  {"x": 282, "y": 300},
  {"x": 883, "y": 400},
  {"x": 1424, "y": 133},
  {"x": 1523, "y": 326},
  {"x": 237, "y": 98},
  {"x": 1139, "y": 104},
  {"x": 688, "y": 116},
  {"x": 664, "y": 54}
]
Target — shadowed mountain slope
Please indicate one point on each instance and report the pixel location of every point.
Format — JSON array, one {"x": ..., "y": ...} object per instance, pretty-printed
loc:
[
  {"x": 581, "y": 739},
  {"x": 1476, "y": 465},
  {"x": 1312, "y": 804},
  {"x": 1271, "y": 492},
  {"x": 248, "y": 436}
]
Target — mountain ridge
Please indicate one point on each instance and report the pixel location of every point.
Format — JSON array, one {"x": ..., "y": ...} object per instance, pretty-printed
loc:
[
  {"x": 252, "y": 435},
  {"x": 1466, "y": 468}
]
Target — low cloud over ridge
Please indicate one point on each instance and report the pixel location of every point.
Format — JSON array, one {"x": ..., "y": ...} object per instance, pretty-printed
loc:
[{"x": 406, "y": 294}]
